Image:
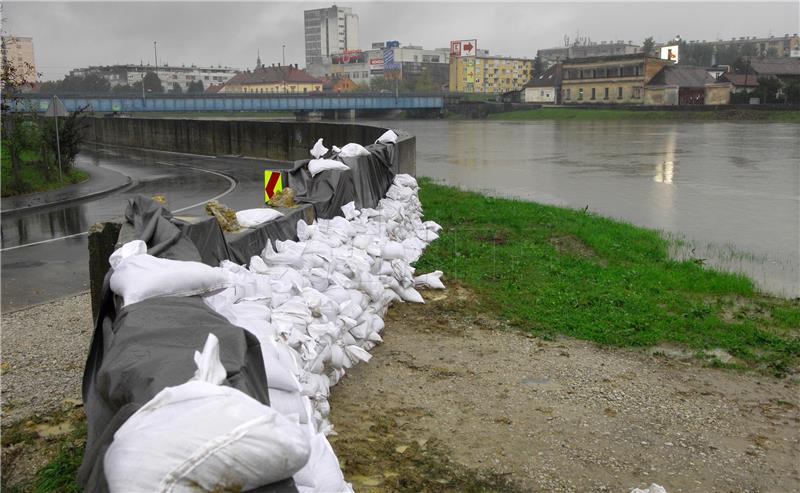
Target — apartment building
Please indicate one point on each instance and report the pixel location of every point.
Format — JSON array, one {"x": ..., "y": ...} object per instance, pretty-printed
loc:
[
  {"x": 491, "y": 74},
  {"x": 18, "y": 51},
  {"x": 617, "y": 79},
  {"x": 329, "y": 31}
]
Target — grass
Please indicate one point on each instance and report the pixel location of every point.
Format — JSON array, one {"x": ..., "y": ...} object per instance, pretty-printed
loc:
[
  {"x": 32, "y": 175},
  {"x": 552, "y": 270},
  {"x": 584, "y": 114}
]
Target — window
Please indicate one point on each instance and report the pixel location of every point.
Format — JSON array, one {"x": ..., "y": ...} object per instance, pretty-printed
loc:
[
  {"x": 619, "y": 93},
  {"x": 637, "y": 92},
  {"x": 568, "y": 95},
  {"x": 580, "y": 94},
  {"x": 605, "y": 95},
  {"x": 593, "y": 94}
]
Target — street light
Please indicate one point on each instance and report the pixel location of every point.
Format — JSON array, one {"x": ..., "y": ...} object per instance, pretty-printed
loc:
[{"x": 284, "y": 54}]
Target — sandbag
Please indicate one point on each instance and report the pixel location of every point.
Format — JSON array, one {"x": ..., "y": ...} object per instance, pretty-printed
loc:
[{"x": 250, "y": 218}]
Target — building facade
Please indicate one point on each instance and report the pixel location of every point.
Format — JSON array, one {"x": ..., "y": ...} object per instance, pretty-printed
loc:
[
  {"x": 608, "y": 80},
  {"x": 18, "y": 52},
  {"x": 120, "y": 75},
  {"x": 544, "y": 89},
  {"x": 485, "y": 73},
  {"x": 329, "y": 31},
  {"x": 275, "y": 79},
  {"x": 585, "y": 49},
  {"x": 682, "y": 85},
  {"x": 403, "y": 62}
]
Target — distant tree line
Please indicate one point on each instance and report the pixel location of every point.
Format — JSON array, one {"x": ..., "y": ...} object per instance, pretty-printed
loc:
[{"x": 96, "y": 84}]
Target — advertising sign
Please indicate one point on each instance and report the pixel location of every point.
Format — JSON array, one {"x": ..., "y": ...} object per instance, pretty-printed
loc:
[
  {"x": 465, "y": 47},
  {"x": 348, "y": 56},
  {"x": 376, "y": 61},
  {"x": 670, "y": 53},
  {"x": 470, "y": 63}
]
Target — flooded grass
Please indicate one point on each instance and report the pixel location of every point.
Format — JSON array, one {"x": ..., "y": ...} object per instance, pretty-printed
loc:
[{"x": 576, "y": 273}]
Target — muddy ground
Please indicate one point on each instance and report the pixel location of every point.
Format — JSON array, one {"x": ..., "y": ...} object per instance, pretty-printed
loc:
[
  {"x": 472, "y": 404},
  {"x": 456, "y": 401}
]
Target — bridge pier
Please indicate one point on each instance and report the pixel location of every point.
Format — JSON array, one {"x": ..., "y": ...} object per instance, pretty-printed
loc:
[{"x": 308, "y": 116}]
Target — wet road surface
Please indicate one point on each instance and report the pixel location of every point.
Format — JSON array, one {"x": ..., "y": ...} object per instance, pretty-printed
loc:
[{"x": 45, "y": 253}]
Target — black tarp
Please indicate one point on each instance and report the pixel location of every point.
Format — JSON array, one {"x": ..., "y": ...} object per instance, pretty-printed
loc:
[
  {"x": 138, "y": 350},
  {"x": 365, "y": 183}
]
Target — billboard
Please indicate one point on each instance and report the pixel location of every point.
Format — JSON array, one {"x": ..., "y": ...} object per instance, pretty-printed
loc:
[
  {"x": 470, "y": 64},
  {"x": 376, "y": 61},
  {"x": 670, "y": 53},
  {"x": 348, "y": 56},
  {"x": 464, "y": 47}
]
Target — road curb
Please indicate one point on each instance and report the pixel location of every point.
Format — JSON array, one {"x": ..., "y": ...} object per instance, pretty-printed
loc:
[{"x": 128, "y": 182}]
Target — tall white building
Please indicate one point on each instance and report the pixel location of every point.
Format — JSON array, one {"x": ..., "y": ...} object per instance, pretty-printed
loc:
[
  {"x": 329, "y": 31},
  {"x": 183, "y": 76}
]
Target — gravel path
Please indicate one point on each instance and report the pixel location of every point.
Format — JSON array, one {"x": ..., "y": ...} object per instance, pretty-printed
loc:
[
  {"x": 566, "y": 415},
  {"x": 44, "y": 349}
]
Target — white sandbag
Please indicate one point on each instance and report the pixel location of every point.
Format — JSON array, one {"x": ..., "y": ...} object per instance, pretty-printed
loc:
[
  {"x": 250, "y": 218},
  {"x": 316, "y": 166},
  {"x": 392, "y": 250},
  {"x": 653, "y": 488},
  {"x": 138, "y": 276},
  {"x": 411, "y": 295},
  {"x": 353, "y": 150},
  {"x": 318, "y": 150},
  {"x": 433, "y": 226},
  {"x": 288, "y": 403},
  {"x": 349, "y": 210},
  {"x": 431, "y": 280},
  {"x": 388, "y": 137},
  {"x": 201, "y": 435},
  {"x": 405, "y": 180},
  {"x": 322, "y": 473}
]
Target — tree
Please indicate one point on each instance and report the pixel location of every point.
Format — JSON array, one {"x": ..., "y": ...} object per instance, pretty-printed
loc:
[
  {"x": 195, "y": 87},
  {"x": 538, "y": 68},
  {"x": 648, "y": 45},
  {"x": 12, "y": 81},
  {"x": 152, "y": 83},
  {"x": 176, "y": 89},
  {"x": 768, "y": 89}
]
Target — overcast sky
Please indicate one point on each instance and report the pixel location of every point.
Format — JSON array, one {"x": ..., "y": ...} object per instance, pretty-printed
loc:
[{"x": 69, "y": 35}]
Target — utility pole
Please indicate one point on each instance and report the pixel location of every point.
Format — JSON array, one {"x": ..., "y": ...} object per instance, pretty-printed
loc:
[
  {"x": 284, "y": 54},
  {"x": 155, "y": 52}
]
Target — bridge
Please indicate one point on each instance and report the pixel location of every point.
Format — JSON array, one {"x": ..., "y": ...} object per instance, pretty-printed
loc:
[{"x": 298, "y": 103}]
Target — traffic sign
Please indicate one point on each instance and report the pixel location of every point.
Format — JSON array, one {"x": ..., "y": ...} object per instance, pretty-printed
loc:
[{"x": 273, "y": 184}]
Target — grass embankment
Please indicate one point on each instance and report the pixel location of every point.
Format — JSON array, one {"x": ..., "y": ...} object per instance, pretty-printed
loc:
[
  {"x": 552, "y": 270},
  {"x": 585, "y": 114},
  {"x": 32, "y": 175}
]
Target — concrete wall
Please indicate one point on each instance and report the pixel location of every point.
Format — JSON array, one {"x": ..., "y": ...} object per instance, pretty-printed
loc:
[
  {"x": 661, "y": 96},
  {"x": 539, "y": 95},
  {"x": 284, "y": 140},
  {"x": 718, "y": 94}
]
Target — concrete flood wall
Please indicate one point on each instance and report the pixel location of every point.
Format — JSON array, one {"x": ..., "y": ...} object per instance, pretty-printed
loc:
[{"x": 280, "y": 140}]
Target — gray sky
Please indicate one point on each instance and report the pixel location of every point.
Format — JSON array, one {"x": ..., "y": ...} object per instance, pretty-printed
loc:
[{"x": 68, "y": 35}]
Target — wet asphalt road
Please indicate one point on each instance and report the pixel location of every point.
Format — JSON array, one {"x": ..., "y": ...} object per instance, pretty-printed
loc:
[{"x": 45, "y": 253}]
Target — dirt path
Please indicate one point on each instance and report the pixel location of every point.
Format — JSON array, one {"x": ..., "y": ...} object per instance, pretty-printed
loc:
[{"x": 456, "y": 397}]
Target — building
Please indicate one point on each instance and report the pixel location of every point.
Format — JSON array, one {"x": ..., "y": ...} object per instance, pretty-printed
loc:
[
  {"x": 408, "y": 62},
  {"x": 273, "y": 79},
  {"x": 772, "y": 46},
  {"x": 484, "y": 73},
  {"x": 338, "y": 84},
  {"x": 617, "y": 79},
  {"x": 544, "y": 89},
  {"x": 18, "y": 51},
  {"x": 785, "y": 69},
  {"x": 329, "y": 31},
  {"x": 120, "y": 75},
  {"x": 686, "y": 85},
  {"x": 585, "y": 48},
  {"x": 741, "y": 83}
]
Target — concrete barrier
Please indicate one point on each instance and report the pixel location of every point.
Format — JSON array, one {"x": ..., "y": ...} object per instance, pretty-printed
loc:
[{"x": 280, "y": 140}]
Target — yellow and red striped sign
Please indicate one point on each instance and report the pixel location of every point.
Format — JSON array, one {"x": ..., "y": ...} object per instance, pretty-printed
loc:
[{"x": 272, "y": 184}]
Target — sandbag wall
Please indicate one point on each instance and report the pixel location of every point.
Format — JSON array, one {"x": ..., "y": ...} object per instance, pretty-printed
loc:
[{"x": 139, "y": 350}]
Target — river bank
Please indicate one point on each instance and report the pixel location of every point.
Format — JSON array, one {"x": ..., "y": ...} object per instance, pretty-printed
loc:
[{"x": 594, "y": 114}]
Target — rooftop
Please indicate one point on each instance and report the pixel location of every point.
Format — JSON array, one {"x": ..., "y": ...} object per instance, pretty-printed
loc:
[
  {"x": 776, "y": 66},
  {"x": 549, "y": 78},
  {"x": 682, "y": 76},
  {"x": 273, "y": 74}
]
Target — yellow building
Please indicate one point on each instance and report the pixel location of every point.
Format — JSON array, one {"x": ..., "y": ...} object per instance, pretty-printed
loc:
[
  {"x": 18, "y": 51},
  {"x": 489, "y": 74},
  {"x": 619, "y": 79},
  {"x": 273, "y": 79}
]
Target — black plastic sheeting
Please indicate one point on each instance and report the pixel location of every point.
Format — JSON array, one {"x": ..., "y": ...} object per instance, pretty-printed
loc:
[
  {"x": 138, "y": 350},
  {"x": 364, "y": 183}
]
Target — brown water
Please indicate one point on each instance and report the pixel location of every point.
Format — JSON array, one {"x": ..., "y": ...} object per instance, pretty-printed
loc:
[{"x": 730, "y": 190}]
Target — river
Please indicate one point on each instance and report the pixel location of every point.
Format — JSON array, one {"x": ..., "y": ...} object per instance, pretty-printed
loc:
[{"x": 730, "y": 190}]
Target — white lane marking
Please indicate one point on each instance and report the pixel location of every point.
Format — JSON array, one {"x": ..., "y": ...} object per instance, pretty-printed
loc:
[{"x": 230, "y": 189}]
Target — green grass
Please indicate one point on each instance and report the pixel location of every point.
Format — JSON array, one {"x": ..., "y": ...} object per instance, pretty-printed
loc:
[
  {"x": 552, "y": 270},
  {"x": 583, "y": 114},
  {"x": 32, "y": 175}
]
